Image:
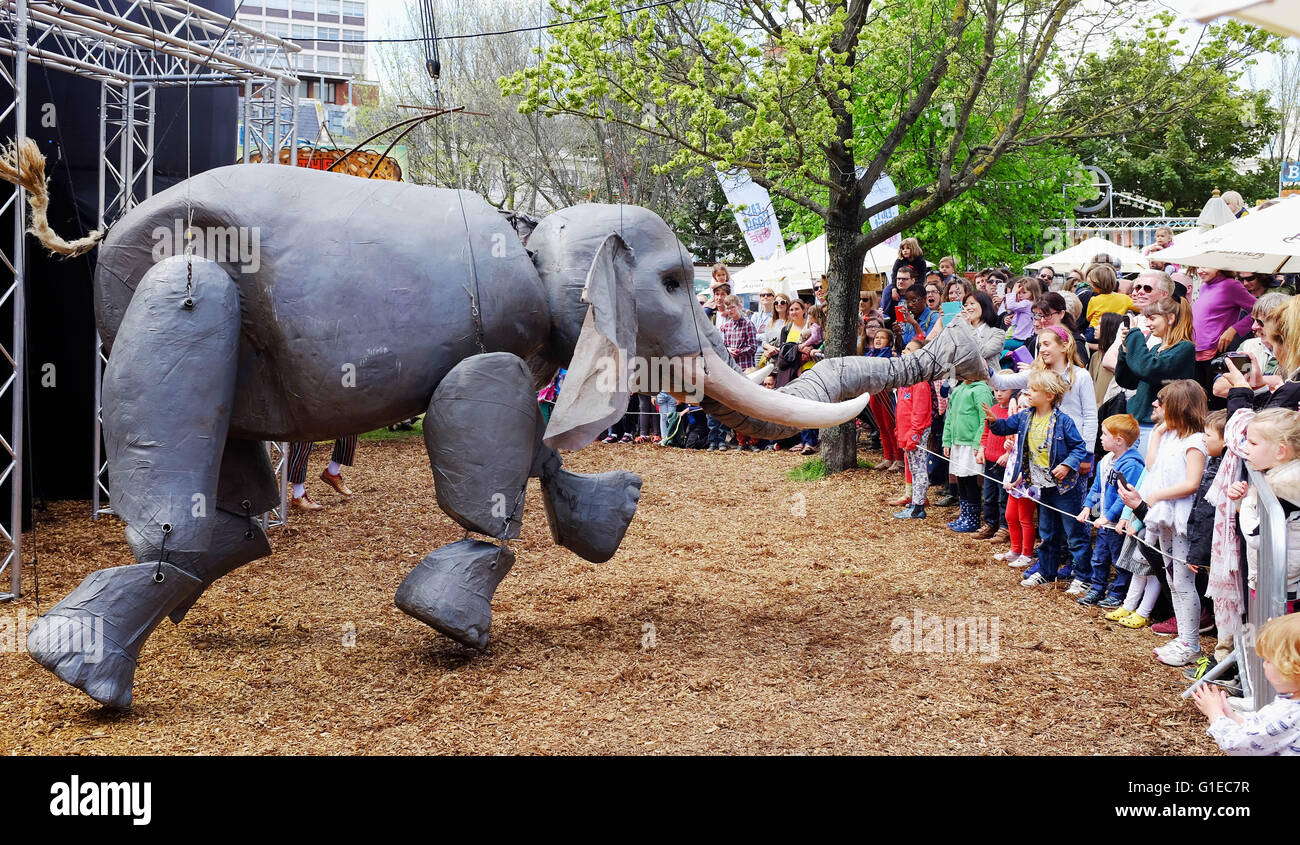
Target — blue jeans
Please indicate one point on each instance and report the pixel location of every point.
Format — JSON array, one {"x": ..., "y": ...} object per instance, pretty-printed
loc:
[
  {"x": 995, "y": 496},
  {"x": 1052, "y": 525},
  {"x": 810, "y": 436},
  {"x": 1104, "y": 553},
  {"x": 717, "y": 431}
]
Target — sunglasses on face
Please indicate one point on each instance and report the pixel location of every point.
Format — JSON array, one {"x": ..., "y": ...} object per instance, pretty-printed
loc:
[
  {"x": 1144, "y": 288},
  {"x": 783, "y": 302},
  {"x": 766, "y": 295}
]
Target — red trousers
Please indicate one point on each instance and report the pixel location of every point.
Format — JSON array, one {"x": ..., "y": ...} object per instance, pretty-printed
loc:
[
  {"x": 1022, "y": 523},
  {"x": 883, "y": 414}
]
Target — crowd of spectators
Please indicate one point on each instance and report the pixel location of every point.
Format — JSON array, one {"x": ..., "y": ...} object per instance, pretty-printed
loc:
[{"x": 1105, "y": 453}]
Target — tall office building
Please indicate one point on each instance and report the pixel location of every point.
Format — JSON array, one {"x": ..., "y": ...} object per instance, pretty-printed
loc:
[{"x": 332, "y": 70}]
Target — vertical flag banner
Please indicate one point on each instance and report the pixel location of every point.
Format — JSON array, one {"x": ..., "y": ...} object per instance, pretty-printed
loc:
[
  {"x": 883, "y": 189},
  {"x": 752, "y": 206},
  {"x": 1288, "y": 180}
]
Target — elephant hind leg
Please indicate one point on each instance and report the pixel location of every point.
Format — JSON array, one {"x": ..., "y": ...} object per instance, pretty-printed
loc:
[
  {"x": 481, "y": 430},
  {"x": 168, "y": 390}
]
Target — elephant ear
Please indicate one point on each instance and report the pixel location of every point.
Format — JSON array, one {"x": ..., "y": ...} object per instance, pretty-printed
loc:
[{"x": 595, "y": 389}]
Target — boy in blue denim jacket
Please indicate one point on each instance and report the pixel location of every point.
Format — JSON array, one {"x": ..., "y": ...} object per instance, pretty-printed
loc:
[
  {"x": 1051, "y": 450},
  {"x": 1118, "y": 434}
]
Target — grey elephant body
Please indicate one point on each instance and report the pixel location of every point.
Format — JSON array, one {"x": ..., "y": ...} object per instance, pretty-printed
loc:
[
  {"x": 362, "y": 298},
  {"x": 368, "y": 302}
]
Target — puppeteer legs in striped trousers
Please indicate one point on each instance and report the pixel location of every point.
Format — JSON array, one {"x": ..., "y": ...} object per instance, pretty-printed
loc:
[{"x": 345, "y": 450}]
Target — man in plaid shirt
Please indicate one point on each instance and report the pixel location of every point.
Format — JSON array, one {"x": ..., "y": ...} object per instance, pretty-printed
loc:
[{"x": 739, "y": 333}]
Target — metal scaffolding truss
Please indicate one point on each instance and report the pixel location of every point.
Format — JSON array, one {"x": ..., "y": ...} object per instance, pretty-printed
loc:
[{"x": 131, "y": 49}]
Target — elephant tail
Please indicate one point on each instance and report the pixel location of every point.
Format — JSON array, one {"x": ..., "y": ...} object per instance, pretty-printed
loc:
[{"x": 22, "y": 164}]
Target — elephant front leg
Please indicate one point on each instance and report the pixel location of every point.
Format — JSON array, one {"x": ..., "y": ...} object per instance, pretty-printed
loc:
[
  {"x": 481, "y": 428},
  {"x": 168, "y": 390}
]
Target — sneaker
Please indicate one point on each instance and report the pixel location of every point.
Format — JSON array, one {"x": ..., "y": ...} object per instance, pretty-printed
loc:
[
  {"x": 627, "y": 438},
  {"x": 722, "y": 447},
  {"x": 1033, "y": 568},
  {"x": 1023, "y": 561},
  {"x": 946, "y": 501},
  {"x": 1091, "y": 597},
  {"x": 1117, "y": 614},
  {"x": 1110, "y": 602},
  {"x": 610, "y": 439},
  {"x": 1198, "y": 670},
  {"x": 1076, "y": 588},
  {"x": 1035, "y": 580},
  {"x": 1167, "y": 628},
  {"x": 1009, "y": 555},
  {"x": 1176, "y": 653}
]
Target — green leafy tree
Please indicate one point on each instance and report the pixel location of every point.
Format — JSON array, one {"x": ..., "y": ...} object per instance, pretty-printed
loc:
[
  {"x": 804, "y": 93},
  {"x": 1179, "y": 163}
]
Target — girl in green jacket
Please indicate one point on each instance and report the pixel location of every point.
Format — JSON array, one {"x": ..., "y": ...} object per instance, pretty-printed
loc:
[{"x": 963, "y": 429}]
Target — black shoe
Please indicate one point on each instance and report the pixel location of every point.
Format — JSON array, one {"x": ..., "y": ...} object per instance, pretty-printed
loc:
[
  {"x": 946, "y": 501},
  {"x": 1200, "y": 668}
]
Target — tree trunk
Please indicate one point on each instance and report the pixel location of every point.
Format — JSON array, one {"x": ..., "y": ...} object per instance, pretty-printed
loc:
[{"x": 844, "y": 268}]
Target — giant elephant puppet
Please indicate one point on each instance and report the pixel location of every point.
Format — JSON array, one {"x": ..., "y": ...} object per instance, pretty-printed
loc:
[{"x": 367, "y": 303}]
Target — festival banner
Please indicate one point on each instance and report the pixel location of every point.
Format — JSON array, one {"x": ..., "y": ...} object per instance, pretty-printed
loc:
[
  {"x": 752, "y": 206},
  {"x": 883, "y": 189}
]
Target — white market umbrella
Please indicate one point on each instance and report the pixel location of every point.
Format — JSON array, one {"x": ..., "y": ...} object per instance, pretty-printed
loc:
[
  {"x": 761, "y": 274},
  {"x": 1082, "y": 253},
  {"x": 1265, "y": 241},
  {"x": 1280, "y": 16},
  {"x": 1215, "y": 213}
]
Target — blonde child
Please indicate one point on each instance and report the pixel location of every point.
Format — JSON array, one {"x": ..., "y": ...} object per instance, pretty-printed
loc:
[
  {"x": 1020, "y": 305},
  {"x": 1272, "y": 447},
  {"x": 1107, "y": 299},
  {"x": 1022, "y": 510},
  {"x": 1175, "y": 463},
  {"x": 1274, "y": 730},
  {"x": 1119, "y": 433},
  {"x": 963, "y": 429},
  {"x": 1051, "y": 450}
]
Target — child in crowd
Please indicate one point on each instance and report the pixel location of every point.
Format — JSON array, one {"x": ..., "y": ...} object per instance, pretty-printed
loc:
[
  {"x": 1022, "y": 509},
  {"x": 1175, "y": 462},
  {"x": 992, "y": 456},
  {"x": 963, "y": 430},
  {"x": 1200, "y": 531},
  {"x": 882, "y": 406},
  {"x": 912, "y": 425},
  {"x": 1107, "y": 299},
  {"x": 1164, "y": 237},
  {"x": 1273, "y": 730},
  {"x": 1051, "y": 450},
  {"x": 1020, "y": 306},
  {"x": 1122, "y": 460},
  {"x": 1272, "y": 447}
]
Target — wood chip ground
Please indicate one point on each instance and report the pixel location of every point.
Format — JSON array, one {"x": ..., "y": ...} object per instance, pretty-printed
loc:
[{"x": 773, "y": 605}]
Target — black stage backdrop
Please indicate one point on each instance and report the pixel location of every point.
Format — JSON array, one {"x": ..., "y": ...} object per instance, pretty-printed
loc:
[{"x": 63, "y": 118}]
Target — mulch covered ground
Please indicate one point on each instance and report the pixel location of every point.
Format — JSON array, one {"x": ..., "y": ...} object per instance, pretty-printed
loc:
[{"x": 774, "y": 606}]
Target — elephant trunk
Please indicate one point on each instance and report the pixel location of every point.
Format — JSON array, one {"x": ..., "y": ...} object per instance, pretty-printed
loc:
[{"x": 955, "y": 349}]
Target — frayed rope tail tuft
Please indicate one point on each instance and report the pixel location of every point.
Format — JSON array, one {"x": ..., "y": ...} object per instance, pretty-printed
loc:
[{"x": 21, "y": 163}]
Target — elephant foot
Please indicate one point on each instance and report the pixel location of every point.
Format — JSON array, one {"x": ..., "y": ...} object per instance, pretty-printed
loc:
[
  {"x": 92, "y": 638},
  {"x": 589, "y": 514},
  {"x": 451, "y": 590}
]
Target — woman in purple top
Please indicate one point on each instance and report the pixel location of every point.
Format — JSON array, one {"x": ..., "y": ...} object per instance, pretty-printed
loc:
[{"x": 1221, "y": 314}]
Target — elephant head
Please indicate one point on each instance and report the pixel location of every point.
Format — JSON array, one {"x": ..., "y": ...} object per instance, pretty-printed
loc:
[{"x": 622, "y": 297}]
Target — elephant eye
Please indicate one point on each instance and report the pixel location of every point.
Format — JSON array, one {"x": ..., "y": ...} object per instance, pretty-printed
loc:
[{"x": 671, "y": 282}]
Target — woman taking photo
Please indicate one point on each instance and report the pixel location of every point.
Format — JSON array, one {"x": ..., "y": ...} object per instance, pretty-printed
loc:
[
  {"x": 1144, "y": 368},
  {"x": 1221, "y": 315}
]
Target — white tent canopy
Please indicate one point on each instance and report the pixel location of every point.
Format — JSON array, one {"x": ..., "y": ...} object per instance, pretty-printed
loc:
[
  {"x": 1281, "y": 16},
  {"x": 797, "y": 269},
  {"x": 1265, "y": 241},
  {"x": 1079, "y": 255}
]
